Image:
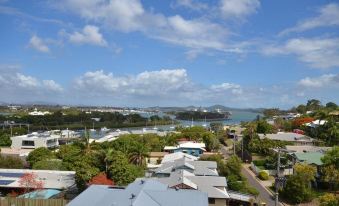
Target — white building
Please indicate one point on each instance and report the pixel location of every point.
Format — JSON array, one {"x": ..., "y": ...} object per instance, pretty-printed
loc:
[
  {"x": 51, "y": 179},
  {"x": 35, "y": 140},
  {"x": 38, "y": 113}
]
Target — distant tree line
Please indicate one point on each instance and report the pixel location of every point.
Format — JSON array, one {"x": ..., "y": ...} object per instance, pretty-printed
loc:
[
  {"x": 199, "y": 115},
  {"x": 79, "y": 120}
]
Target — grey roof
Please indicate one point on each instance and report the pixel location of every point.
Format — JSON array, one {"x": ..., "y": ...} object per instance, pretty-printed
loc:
[
  {"x": 287, "y": 136},
  {"x": 199, "y": 168},
  {"x": 178, "y": 155},
  {"x": 214, "y": 186},
  {"x": 145, "y": 192}
]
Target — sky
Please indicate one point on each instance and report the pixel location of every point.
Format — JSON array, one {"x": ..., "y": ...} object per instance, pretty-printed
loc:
[{"x": 238, "y": 53}]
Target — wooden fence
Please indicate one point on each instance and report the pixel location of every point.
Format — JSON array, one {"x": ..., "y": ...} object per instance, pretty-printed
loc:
[{"x": 10, "y": 201}]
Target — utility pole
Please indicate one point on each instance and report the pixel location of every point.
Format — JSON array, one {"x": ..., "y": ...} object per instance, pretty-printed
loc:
[
  {"x": 11, "y": 130},
  {"x": 277, "y": 180},
  {"x": 233, "y": 144},
  {"x": 242, "y": 149}
]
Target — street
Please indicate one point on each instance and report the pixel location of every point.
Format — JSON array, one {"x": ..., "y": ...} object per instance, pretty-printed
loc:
[{"x": 264, "y": 194}]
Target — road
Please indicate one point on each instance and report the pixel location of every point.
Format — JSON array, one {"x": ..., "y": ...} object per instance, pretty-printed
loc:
[{"x": 264, "y": 194}]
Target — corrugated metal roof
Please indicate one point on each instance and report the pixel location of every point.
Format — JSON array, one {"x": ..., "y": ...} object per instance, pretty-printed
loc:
[{"x": 140, "y": 193}]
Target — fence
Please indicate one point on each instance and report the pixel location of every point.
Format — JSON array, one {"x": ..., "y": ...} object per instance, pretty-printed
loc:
[
  {"x": 256, "y": 170},
  {"x": 11, "y": 201}
]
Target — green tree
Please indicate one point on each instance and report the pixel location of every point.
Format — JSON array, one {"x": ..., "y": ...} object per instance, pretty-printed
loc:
[
  {"x": 9, "y": 162},
  {"x": 301, "y": 109},
  {"x": 39, "y": 154},
  {"x": 331, "y": 105},
  {"x": 121, "y": 171},
  {"x": 138, "y": 154},
  {"x": 51, "y": 164},
  {"x": 331, "y": 157},
  {"x": 211, "y": 141},
  {"x": 313, "y": 104},
  {"x": 296, "y": 191},
  {"x": 272, "y": 112},
  {"x": 328, "y": 199},
  {"x": 5, "y": 140},
  {"x": 264, "y": 128},
  {"x": 330, "y": 168},
  {"x": 298, "y": 186},
  {"x": 84, "y": 172}
]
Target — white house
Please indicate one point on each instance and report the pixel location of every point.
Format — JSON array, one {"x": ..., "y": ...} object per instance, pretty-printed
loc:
[
  {"x": 35, "y": 140},
  {"x": 38, "y": 113}
]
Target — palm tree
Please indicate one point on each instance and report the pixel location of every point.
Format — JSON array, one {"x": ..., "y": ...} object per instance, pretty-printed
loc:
[
  {"x": 138, "y": 153},
  {"x": 333, "y": 131},
  {"x": 108, "y": 153}
]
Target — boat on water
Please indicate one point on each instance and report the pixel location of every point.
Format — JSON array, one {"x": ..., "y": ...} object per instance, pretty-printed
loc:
[
  {"x": 104, "y": 129},
  {"x": 205, "y": 124}
]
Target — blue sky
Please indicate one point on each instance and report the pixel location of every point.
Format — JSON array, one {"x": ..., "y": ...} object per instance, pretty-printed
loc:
[{"x": 239, "y": 53}]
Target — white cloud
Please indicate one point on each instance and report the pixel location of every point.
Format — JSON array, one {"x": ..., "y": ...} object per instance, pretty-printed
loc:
[
  {"x": 238, "y": 8},
  {"x": 121, "y": 15},
  {"x": 148, "y": 83},
  {"x": 130, "y": 16},
  {"x": 26, "y": 81},
  {"x": 318, "y": 53},
  {"x": 89, "y": 35},
  {"x": 51, "y": 85},
  {"x": 321, "y": 81},
  {"x": 190, "y": 4},
  {"x": 194, "y": 34},
  {"x": 328, "y": 16},
  {"x": 11, "y": 79},
  {"x": 234, "y": 88},
  {"x": 38, "y": 44}
]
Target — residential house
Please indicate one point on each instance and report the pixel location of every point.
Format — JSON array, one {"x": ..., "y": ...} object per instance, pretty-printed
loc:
[
  {"x": 155, "y": 158},
  {"x": 296, "y": 139},
  {"x": 51, "y": 179},
  {"x": 176, "y": 156},
  {"x": 139, "y": 193},
  {"x": 35, "y": 140},
  {"x": 198, "y": 168},
  {"x": 214, "y": 186},
  {"x": 192, "y": 148}
]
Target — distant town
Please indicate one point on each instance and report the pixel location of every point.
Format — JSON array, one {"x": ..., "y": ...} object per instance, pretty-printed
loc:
[{"x": 58, "y": 155}]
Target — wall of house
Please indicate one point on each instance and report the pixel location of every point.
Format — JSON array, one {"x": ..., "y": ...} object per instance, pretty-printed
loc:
[
  {"x": 190, "y": 151},
  {"x": 219, "y": 202}
]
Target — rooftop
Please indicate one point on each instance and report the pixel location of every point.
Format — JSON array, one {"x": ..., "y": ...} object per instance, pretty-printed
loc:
[
  {"x": 177, "y": 155},
  {"x": 51, "y": 179},
  {"x": 306, "y": 148},
  {"x": 310, "y": 157},
  {"x": 200, "y": 168},
  {"x": 139, "y": 193},
  {"x": 287, "y": 136},
  {"x": 214, "y": 186}
]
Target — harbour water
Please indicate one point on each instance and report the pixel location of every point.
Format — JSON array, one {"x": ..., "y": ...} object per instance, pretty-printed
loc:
[{"x": 236, "y": 118}]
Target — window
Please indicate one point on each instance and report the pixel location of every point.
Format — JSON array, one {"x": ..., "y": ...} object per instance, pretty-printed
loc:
[
  {"x": 27, "y": 143},
  {"x": 211, "y": 201},
  {"x": 51, "y": 141}
]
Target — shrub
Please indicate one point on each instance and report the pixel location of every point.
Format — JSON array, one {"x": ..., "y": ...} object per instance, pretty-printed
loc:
[
  {"x": 263, "y": 175},
  {"x": 329, "y": 199},
  {"x": 259, "y": 162}
]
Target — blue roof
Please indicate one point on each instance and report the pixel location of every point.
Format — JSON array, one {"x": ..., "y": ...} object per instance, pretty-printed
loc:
[
  {"x": 140, "y": 193},
  {"x": 9, "y": 174},
  {"x": 41, "y": 194},
  {"x": 6, "y": 182}
]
